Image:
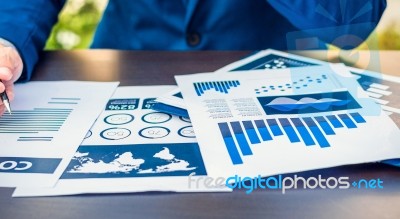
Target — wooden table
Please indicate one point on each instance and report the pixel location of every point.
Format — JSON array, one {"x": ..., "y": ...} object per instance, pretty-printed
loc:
[{"x": 156, "y": 68}]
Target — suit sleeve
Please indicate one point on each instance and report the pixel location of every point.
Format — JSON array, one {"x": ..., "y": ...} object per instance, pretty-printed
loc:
[
  {"x": 27, "y": 24},
  {"x": 344, "y": 23}
]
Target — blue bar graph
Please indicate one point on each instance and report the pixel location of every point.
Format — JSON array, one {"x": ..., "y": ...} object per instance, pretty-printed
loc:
[
  {"x": 35, "y": 121},
  {"x": 358, "y": 118},
  {"x": 219, "y": 86},
  {"x": 240, "y": 136},
  {"x": 347, "y": 121},
  {"x": 319, "y": 136},
  {"x": 334, "y": 120},
  {"x": 223, "y": 87},
  {"x": 262, "y": 129},
  {"x": 208, "y": 86},
  {"x": 197, "y": 89},
  {"x": 305, "y": 135},
  {"x": 215, "y": 86},
  {"x": 230, "y": 144},
  {"x": 203, "y": 86},
  {"x": 273, "y": 125},
  {"x": 324, "y": 125},
  {"x": 251, "y": 132},
  {"x": 288, "y": 128}
]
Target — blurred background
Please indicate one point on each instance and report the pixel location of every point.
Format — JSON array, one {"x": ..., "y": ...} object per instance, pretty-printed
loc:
[{"x": 79, "y": 19}]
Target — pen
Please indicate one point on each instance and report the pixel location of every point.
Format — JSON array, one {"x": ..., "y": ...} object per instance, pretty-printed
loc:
[{"x": 5, "y": 100}]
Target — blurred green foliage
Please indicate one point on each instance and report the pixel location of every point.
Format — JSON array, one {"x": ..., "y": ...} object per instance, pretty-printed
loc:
[
  {"x": 76, "y": 25},
  {"x": 79, "y": 18},
  {"x": 389, "y": 38}
]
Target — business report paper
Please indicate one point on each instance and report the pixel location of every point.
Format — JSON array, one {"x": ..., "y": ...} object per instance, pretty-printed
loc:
[
  {"x": 48, "y": 122},
  {"x": 272, "y": 59},
  {"x": 132, "y": 148},
  {"x": 263, "y": 60},
  {"x": 287, "y": 120}
]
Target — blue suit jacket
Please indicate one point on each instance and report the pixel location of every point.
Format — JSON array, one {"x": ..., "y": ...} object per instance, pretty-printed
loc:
[{"x": 198, "y": 24}]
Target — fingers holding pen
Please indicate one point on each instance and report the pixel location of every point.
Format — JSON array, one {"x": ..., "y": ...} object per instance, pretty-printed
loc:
[
  {"x": 5, "y": 76},
  {"x": 11, "y": 64},
  {"x": 6, "y": 96}
]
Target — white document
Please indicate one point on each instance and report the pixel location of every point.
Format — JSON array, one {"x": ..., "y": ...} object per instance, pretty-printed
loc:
[
  {"x": 132, "y": 148},
  {"x": 173, "y": 98},
  {"x": 49, "y": 121},
  {"x": 383, "y": 89},
  {"x": 265, "y": 60},
  {"x": 285, "y": 121},
  {"x": 270, "y": 59},
  {"x": 389, "y": 103}
]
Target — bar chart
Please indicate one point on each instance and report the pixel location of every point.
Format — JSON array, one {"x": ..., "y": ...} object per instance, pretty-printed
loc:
[
  {"x": 219, "y": 86},
  {"x": 239, "y": 136},
  {"x": 37, "y": 124}
]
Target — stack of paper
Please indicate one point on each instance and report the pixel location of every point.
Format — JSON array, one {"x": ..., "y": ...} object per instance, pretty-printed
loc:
[
  {"x": 270, "y": 113},
  {"x": 381, "y": 88},
  {"x": 243, "y": 109},
  {"x": 258, "y": 123},
  {"x": 132, "y": 148}
]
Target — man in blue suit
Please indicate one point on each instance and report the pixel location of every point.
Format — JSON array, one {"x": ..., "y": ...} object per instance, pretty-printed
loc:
[{"x": 182, "y": 25}]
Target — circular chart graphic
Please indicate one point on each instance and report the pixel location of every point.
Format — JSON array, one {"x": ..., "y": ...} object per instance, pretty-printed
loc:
[
  {"x": 118, "y": 119},
  {"x": 185, "y": 119},
  {"x": 156, "y": 118},
  {"x": 186, "y": 132},
  {"x": 115, "y": 133},
  {"x": 154, "y": 132}
]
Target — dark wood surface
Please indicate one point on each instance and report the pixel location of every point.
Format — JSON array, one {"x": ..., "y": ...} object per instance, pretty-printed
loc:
[
  {"x": 129, "y": 67},
  {"x": 156, "y": 68}
]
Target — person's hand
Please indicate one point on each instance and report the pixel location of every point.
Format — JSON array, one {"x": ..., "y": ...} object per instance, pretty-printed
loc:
[{"x": 11, "y": 66}]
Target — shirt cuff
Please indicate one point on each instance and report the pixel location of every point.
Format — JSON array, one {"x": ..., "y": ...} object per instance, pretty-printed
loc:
[{"x": 6, "y": 43}]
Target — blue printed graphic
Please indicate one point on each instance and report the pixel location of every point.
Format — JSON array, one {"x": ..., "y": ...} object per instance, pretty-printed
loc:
[
  {"x": 304, "y": 133},
  {"x": 347, "y": 121},
  {"x": 325, "y": 126},
  {"x": 335, "y": 121},
  {"x": 161, "y": 107},
  {"x": 141, "y": 160},
  {"x": 289, "y": 130},
  {"x": 296, "y": 84},
  {"x": 179, "y": 95},
  {"x": 28, "y": 165},
  {"x": 148, "y": 103},
  {"x": 43, "y": 122},
  {"x": 311, "y": 131},
  {"x": 122, "y": 104},
  {"x": 219, "y": 86},
  {"x": 272, "y": 61},
  {"x": 309, "y": 103},
  {"x": 118, "y": 119}
]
